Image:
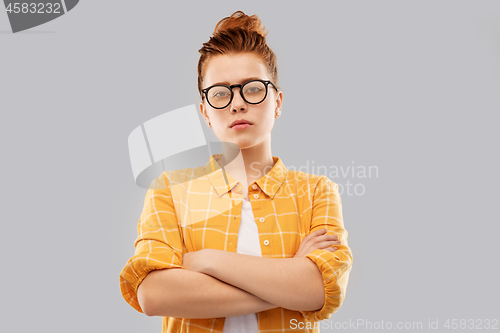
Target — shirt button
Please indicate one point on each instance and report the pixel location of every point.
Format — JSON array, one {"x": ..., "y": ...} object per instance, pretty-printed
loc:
[
  {"x": 262, "y": 219},
  {"x": 256, "y": 196},
  {"x": 266, "y": 242},
  {"x": 254, "y": 186}
]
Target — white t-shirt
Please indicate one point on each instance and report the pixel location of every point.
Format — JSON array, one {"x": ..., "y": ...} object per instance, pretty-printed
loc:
[{"x": 248, "y": 243}]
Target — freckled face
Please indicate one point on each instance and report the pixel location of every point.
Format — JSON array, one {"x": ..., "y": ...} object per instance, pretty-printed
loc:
[{"x": 237, "y": 69}]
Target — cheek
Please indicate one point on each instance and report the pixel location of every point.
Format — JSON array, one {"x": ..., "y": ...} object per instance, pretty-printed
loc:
[
  {"x": 220, "y": 121},
  {"x": 268, "y": 121}
]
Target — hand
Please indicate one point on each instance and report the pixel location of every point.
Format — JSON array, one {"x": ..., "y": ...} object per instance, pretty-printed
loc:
[
  {"x": 197, "y": 261},
  {"x": 317, "y": 240}
]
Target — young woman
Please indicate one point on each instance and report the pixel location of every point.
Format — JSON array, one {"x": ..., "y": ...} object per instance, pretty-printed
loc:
[{"x": 241, "y": 244}]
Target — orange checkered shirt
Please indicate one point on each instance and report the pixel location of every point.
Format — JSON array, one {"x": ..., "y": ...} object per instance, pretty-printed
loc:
[{"x": 196, "y": 208}]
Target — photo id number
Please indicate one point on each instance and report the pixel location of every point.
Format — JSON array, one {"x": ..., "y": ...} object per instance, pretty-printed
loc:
[{"x": 34, "y": 8}]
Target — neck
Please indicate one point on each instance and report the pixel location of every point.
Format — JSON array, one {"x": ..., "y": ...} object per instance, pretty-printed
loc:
[{"x": 247, "y": 165}]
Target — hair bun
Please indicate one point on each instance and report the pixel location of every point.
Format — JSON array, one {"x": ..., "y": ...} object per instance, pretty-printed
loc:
[{"x": 240, "y": 20}]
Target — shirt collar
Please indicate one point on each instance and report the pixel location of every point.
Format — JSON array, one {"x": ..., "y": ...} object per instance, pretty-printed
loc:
[{"x": 223, "y": 182}]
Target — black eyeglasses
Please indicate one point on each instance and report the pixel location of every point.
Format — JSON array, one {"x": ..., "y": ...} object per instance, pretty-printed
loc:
[{"x": 220, "y": 96}]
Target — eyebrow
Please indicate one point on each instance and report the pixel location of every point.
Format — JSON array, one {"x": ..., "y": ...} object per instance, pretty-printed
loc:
[{"x": 241, "y": 81}]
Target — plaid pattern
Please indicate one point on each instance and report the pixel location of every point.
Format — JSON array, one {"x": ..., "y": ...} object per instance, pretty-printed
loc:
[{"x": 192, "y": 209}]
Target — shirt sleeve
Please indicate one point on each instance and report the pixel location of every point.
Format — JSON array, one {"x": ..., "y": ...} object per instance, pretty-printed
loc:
[
  {"x": 334, "y": 266},
  {"x": 159, "y": 244}
]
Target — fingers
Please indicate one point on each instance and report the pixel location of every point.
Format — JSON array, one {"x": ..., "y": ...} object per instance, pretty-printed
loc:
[
  {"x": 328, "y": 237},
  {"x": 318, "y": 232},
  {"x": 323, "y": 237},
  {"x": 321, "y": 232},
  {"x": 320, "y": 239},
  {"x": 326, "y": 241},
  {"x": 327, "y": 244},
  {"x": 312, "y": 237}
]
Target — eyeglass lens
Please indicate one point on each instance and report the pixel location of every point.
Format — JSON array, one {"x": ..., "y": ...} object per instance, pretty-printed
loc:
[{"x": 253, "y": 92}]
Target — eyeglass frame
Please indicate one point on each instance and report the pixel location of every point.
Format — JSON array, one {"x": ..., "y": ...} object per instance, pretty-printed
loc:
[{"x": 231, "y": 87}]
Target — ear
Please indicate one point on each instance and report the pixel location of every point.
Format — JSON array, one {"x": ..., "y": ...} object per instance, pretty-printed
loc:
[
  {"x": 279, "y": 103},
  {"x": 203, "y": 111}
]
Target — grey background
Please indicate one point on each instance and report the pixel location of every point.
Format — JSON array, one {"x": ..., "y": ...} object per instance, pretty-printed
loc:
[{"x": 411, "y": 87}]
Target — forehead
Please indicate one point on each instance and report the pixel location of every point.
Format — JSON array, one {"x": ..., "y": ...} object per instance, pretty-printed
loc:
[{"x": 234, "y": 68}]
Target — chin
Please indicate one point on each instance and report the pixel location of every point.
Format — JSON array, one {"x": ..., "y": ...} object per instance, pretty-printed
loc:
[
  {"x": 243, "y": 144},
  {"x": 246, "y": 144}
]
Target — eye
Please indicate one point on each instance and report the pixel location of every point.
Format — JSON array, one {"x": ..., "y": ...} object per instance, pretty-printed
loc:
[
  {"x": 220, "y": 94},
  {"x": 253, "y": 89}
]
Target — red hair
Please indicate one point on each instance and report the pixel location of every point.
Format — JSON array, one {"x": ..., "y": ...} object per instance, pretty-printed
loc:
[{"x": 234, "y": 34}]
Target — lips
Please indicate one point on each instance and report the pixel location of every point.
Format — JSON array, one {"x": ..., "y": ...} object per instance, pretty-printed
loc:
[{"x": 240, "y": 121}]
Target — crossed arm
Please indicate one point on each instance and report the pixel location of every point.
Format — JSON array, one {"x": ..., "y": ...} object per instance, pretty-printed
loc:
[
  {"x": 291, "y": 283},
  {"x": 219, "y": 283}
]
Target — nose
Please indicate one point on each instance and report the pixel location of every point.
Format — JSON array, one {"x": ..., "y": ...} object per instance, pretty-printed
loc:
[{"x": 238, "y": 103}]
